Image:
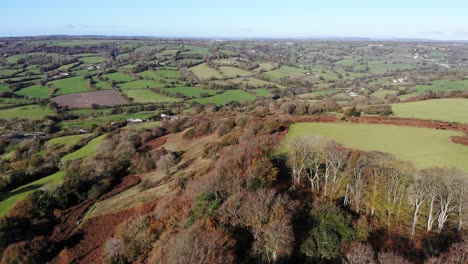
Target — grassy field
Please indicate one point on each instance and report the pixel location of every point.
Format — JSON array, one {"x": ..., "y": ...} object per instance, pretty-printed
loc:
[
  {"x": 204, "y": 72},
  {"x": 443, "y": 85},
  {"x": 86, "y": 151},
  {"x": 171, "y": 74},
  {"x": 35, "y": 91},
  {"x": 147, "y": 96},
  {"x": 31, "y": 112},
  {"x": 101, "y": 85},
  {"x": 140, "y": 84},
  {"x": 6, "y": 72},
  {"x": 71, "y": 85},
  {"x": 90, "y": 121},
  {"x": 422, "y": 146},
  {"x": 451, "y": 110},
  {"x": 119, "y": 77},
  {"x": 150, "y": 74},
  {"x": 248, "y": 80},
  {"x": 4, "y": 87},
  {"x": 190, "y": 91},
  {"x": 65, "y": 142},
  {"x": 146, "y": 125},
  {"x": 92, "y": 59},
  {"x": 262, "y": 92},
  {"x": 226, "y": 97},
  {"x": 233, "y": 72},
  {"x": 9, "y": 200},
  {"x": 383, "y": 93}
]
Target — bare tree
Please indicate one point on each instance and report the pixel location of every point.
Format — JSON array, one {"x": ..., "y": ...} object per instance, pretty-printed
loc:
[
  {"x": 335, "y": 158},
  {"x": 357, "y": 186},
  {"x": 419, "y": 191},
  {"x": 447, "y": 195},
  {"x": 298, "y": 158},
  {"x": 391, "y": 258},
  {"x": 315, "y": 160},
  {"x": 431, "y": 176},
  {"x": 359, "y": 253},
  {"x": 398, "y": 176},
  {"x": 166, "y": 163}
]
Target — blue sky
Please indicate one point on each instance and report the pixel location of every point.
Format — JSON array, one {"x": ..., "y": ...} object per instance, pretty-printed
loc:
[{"x": 434, "y": 19}]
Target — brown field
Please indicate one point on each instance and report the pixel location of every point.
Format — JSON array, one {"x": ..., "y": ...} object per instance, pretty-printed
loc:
[{"x": 86, "y": 100}]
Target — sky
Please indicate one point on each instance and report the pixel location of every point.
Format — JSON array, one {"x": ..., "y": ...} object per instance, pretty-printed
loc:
[{"x": 427, "y": 19}]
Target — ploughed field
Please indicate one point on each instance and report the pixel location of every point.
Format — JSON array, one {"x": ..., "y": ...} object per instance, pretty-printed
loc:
[
  {"x": 86, "y": 100},
  {"x": 424, "y": 147}
]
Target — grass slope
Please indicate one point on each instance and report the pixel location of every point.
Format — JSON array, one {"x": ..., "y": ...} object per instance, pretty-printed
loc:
[
  {"x": 86, "y": 151},
  {"x": 31, "y": 112},
  {"x": 9, "y": 200}
]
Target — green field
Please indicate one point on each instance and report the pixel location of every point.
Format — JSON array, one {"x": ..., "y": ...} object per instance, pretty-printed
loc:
[
  {"x": 6, "y": 72},
  {"x": 262, "y": 92},
  {"x": 101, "y": 85},
  {"x": 443, "y": 86},
  {"x": 140, "y": 84},
  {"x": 147, "y": 96},
  {"x": 190, "y": 91},
  {"x": 71, "y": 85},
  {"x": 100, "y": 120},
  {"x": 4, "y": 87},
  {"x": 233, "y": 72},
  {"x": 451, "y": 110},
  {"x": 227, "y": 97},
  {"x": 204, "y": 72},
  {"x": 65, "y": 142},
  {"x": 150, "y": 74},
  {"x": 18, "y": 194},
  {"x": 119, "y": 77},
  {"x": 423, "y": 146},
  {"x": 31, "y": 112},
  {"x": 250, "y": 81},
  {"x": 92, "y": 59},
  {"x": 383, "y": 93},
  {"x": 285, "y": 71},
  {"x": 171, "y": 74},
  {"x": 380, "y": 67},
  {"x": 35, "y": 91},
  {"x": 86, "y": 151},
  {"x": 146, "y": 125}
]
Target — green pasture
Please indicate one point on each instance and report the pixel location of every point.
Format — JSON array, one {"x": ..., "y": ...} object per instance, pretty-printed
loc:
[
  {"x": 71, "y": 85},
  {"x": 10, "y": 199},
  {"x": 35, "y": 91},
  {"x": 31, "y": 112},
  {"x": 227, "y": 97},
  {"x": 423, "y": 146},
  {"x": 451, "y": 110},
  {"x": 147, "y": 96},
  {"x": 86, "y": 151}
]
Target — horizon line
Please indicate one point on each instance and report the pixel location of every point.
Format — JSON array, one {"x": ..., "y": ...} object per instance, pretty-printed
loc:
[{"x": 238, "y": 38}]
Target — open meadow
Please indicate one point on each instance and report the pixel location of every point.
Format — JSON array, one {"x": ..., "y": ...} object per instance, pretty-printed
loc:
[
  {"x": 451, "y": 110},
  {"x": 424, "y": 147}
]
